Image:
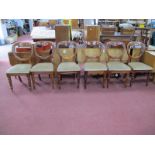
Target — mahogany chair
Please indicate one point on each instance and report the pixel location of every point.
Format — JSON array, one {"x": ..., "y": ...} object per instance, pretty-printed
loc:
[
  {"x": 67, "y": 65},
  {"x": 92, "y": 65},
  {"x": 43, "y": 52},
  {"x": 136, "y": 51},
  {"x": 115, "y": 51},
  {"x": 23, "y": 52}
]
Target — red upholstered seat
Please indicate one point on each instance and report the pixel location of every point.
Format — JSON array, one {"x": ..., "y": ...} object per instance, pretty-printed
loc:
[{"x": 23, "y": 49}]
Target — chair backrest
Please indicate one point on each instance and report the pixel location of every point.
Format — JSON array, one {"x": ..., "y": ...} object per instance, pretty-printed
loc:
[
  {"x": 92, "y": 54},
  {"x": 115, "y": 50},
  {"x": 93, "y": 51},
  {"x": 135, "y": 50},
  {"x": 67, "y": 44},
  {"x": 92, "y": 33},
  {"x": 67, "y": 50},
  {"x": 62, "y": 33},
  {"x": 20, "y": 48},
  {"x": 94, "y": 44},
  {"x": 43, "y": 50}
]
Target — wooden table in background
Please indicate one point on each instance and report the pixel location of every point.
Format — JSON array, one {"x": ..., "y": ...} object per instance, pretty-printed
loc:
[{"x": 149, "y": 59}]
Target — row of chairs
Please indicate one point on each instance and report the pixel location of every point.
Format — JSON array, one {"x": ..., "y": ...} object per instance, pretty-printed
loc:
[{"x": 68, "y": 63}]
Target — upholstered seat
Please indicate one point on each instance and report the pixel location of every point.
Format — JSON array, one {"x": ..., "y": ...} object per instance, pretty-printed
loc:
[
  {"x": 117, "y": 66},
  {"x": 68, "y": 67},
  {"x": 139, "y": 66},
  {"x": 95, "y": 66},
  {"x": 42, "y": 67},
  {"x": 19, "y": 69}
]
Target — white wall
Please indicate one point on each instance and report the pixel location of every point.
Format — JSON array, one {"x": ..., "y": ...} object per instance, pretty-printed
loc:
[
  {"x": 88, "y": 22},
  {"x": 3, "y": 33}
]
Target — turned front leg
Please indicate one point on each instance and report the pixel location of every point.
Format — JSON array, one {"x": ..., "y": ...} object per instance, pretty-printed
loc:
[{"x": 10, "y": 81}]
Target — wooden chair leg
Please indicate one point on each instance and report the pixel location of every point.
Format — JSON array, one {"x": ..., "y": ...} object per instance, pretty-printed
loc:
[
  {"x": 39, "y": 76},
  {"x": 108, "y": 79},
  {"x": 33, "y": 80},
  {"x": 59, "y": 81},
  {"x": 85, "y": 80},
  {"x": 10, "y": 81},
  {"x": 52, "y": 79},
  {"x": 147, "y": 78},
  {"x": 29, "y": 81},
  {"x": 126, "y": 80},
  {"x": 20, "y": 79},
  {"x": 78, "y": 79},
  {"x": 132, "y": 79},
  {"x": 103, "y": 80},
  {"x": 75, "y": 76}
]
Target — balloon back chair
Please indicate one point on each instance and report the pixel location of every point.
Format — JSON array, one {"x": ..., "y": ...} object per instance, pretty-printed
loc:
[
  {"x": 67, "y": 65},
  {"x": 43, "y": 53},
  {"x": 22, "y": 52},
  {"x": 115, "y": 52},
  {"x": 136, "y": 51},
  {"x": 92, "y": 63}
]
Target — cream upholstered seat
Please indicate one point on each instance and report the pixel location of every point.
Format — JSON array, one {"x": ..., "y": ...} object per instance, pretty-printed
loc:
[
  {"x": 42, "y": 67},
  {"x": 43, "y": 52},
  {"x": 19, "y": 68},
  {"x": 92, "y": 63},
  {"x": 24, "y": 66},
  {"x": 68, "y": 67},
  {"x": 139, "y": 66},
  {"x": 115, "y": 64},
  {"x": 95, "y": 66},
  {"x": 135, "y": 51}
]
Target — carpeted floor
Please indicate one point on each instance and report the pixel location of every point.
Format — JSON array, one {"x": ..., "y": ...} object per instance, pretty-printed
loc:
[{"x": 97, "y": 110}]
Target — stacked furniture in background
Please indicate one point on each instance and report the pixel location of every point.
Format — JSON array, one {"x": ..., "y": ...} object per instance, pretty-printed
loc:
[{"x": 62, "y": 33}]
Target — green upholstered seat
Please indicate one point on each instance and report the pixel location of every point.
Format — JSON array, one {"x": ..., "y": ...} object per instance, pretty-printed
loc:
[
  {"x": 43, "y": 67},
  {"x": 68, "y": 67},
  {"x": 19, "y": 69},
  {"x": 139, "y": 66},
  {"x": 95, "y": 66},
  {"x": 117, "y": 66}
]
